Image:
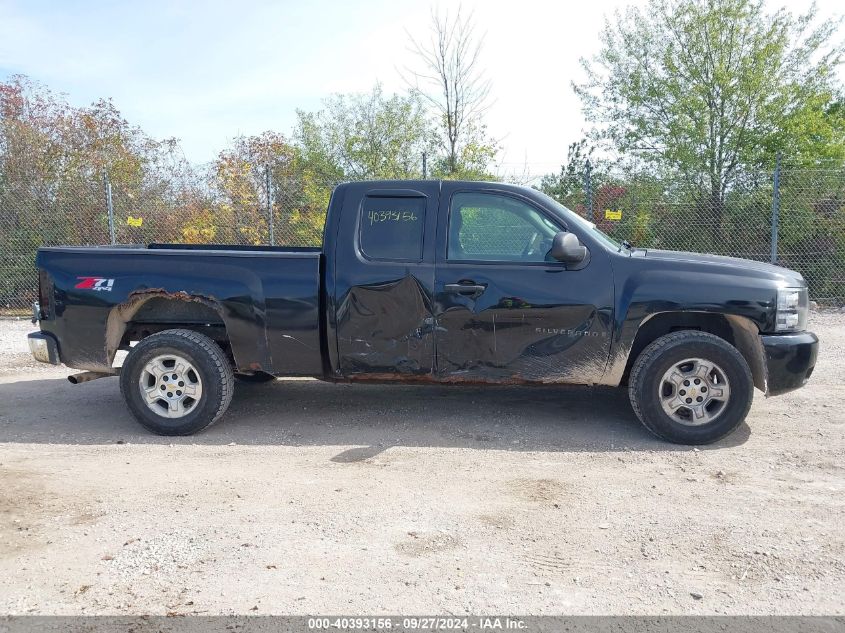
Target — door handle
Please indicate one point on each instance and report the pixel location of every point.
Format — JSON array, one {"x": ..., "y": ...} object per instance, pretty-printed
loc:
[{"x": 466, "y": 289}]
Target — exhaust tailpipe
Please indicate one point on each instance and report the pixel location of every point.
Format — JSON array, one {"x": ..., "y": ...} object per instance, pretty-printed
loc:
[{"x": 86, "y": 376}]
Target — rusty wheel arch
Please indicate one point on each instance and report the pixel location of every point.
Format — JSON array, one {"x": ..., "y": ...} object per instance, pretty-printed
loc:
[
  {"x": 739, "y": 331},
  {"x": 122, "y": 314}
]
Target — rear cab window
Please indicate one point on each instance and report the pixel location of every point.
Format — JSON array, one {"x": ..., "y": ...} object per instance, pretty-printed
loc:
[{"x": 391, "y": 228}]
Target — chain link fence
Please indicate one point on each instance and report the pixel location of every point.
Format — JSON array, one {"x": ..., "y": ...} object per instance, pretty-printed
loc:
[
  {"x": 262, "y": 207},
  {"x": 793, "y": 217}
]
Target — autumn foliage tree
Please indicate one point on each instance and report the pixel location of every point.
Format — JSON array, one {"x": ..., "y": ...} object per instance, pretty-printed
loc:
[
  {"x": 297, "y": 194},
  {"x": 53, "y": 158}
]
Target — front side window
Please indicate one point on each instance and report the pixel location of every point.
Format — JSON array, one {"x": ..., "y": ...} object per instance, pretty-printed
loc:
[
  {"x": 492, "y": 227},
  {"x": 392, "y": 228}
]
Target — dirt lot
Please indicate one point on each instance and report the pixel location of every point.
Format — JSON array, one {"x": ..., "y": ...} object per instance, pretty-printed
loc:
[{"x": 313, "y": 498}]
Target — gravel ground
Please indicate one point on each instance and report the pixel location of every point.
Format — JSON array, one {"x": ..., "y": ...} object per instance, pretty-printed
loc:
[
  {"x": 14, "y": 351},
  {"x": 314, "y": 498}
]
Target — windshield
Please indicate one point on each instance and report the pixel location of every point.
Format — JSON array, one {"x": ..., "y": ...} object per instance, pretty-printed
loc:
[{"x": 573, "y": 217}]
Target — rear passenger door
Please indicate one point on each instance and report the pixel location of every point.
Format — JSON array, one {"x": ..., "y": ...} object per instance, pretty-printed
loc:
[{"x": 384, "y": 280}]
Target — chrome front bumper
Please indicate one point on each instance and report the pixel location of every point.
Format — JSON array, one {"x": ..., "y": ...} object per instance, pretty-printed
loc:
[{"x": 43, "y": 347}]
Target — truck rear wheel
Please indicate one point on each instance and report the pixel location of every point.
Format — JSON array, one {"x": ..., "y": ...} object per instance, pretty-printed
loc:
[
  {"x": 691, "y": 387},
  {"x": 177, "y": 382}
]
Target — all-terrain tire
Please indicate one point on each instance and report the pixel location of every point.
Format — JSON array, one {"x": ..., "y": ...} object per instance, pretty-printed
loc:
[
  {"x": 646, "y": 382},
  {"x": 212, "y": 371}
]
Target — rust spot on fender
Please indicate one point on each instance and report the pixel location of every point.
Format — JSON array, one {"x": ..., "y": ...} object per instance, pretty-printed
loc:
[{"x": 122, "y": 313}]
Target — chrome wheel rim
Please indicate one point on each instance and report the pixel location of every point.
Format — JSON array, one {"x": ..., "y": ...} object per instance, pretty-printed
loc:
[
  {"x": 694, "y": 391},
  {"x": 170, "y": 386}
]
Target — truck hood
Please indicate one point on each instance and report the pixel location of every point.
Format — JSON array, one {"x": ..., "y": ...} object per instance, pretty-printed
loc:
[{"x": 744, "y": 267}]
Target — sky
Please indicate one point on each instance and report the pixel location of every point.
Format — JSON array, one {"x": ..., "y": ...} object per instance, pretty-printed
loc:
[{"x": 207, "y": 71}]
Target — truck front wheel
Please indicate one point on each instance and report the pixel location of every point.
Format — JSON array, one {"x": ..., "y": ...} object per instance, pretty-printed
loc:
[
  {"x": 177, "y": 382},
  {"x": 691, "y": 387}
]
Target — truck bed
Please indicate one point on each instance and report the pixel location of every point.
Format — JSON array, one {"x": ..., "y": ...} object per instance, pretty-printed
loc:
[{"x": 267, "y": 298}]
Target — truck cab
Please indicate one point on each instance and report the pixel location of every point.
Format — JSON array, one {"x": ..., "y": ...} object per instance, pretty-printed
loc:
[{"x": 471, "y": 293}]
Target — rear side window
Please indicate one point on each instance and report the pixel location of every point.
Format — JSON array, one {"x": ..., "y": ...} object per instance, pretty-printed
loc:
[{"x": 392, "y": 228}]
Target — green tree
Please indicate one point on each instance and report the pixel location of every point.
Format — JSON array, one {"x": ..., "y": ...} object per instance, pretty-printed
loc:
[
  {"x": 365, "y": 136},
  {"x": 567, "y": 186},
  {"x": 473, "y": 160},
  {"x": 709, "y": 88}
]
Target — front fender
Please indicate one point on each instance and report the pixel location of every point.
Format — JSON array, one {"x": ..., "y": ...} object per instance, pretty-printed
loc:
[{"x": 748, "y": 308}]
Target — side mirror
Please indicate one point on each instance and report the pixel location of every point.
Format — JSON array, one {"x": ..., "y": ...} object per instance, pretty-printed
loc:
[{"x": 567, "y": 248}]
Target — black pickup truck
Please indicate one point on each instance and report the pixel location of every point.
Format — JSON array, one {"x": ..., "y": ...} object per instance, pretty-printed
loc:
[{"x": 430, "y": 282}]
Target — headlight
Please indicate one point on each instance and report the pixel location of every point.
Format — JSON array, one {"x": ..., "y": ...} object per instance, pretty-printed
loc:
[{"x": 791, "y": 315}]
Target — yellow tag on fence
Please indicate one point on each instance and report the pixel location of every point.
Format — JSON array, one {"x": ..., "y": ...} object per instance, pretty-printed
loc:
[
  {"x": 134, "y": 221},
  {"x": 612, "y": 215}
]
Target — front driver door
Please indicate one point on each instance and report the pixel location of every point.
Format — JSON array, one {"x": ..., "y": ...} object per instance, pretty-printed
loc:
[{"x": 506, "y": 312}]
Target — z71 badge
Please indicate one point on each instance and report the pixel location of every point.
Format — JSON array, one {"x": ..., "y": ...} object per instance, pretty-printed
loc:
[{"x": 94, "y": 283}]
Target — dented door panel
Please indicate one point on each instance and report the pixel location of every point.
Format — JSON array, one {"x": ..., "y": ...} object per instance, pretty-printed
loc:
[
  {"x": 535, "y": 325},
  {"x": 382, "y": 327},
  {"x": 529, "y": 321}
]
